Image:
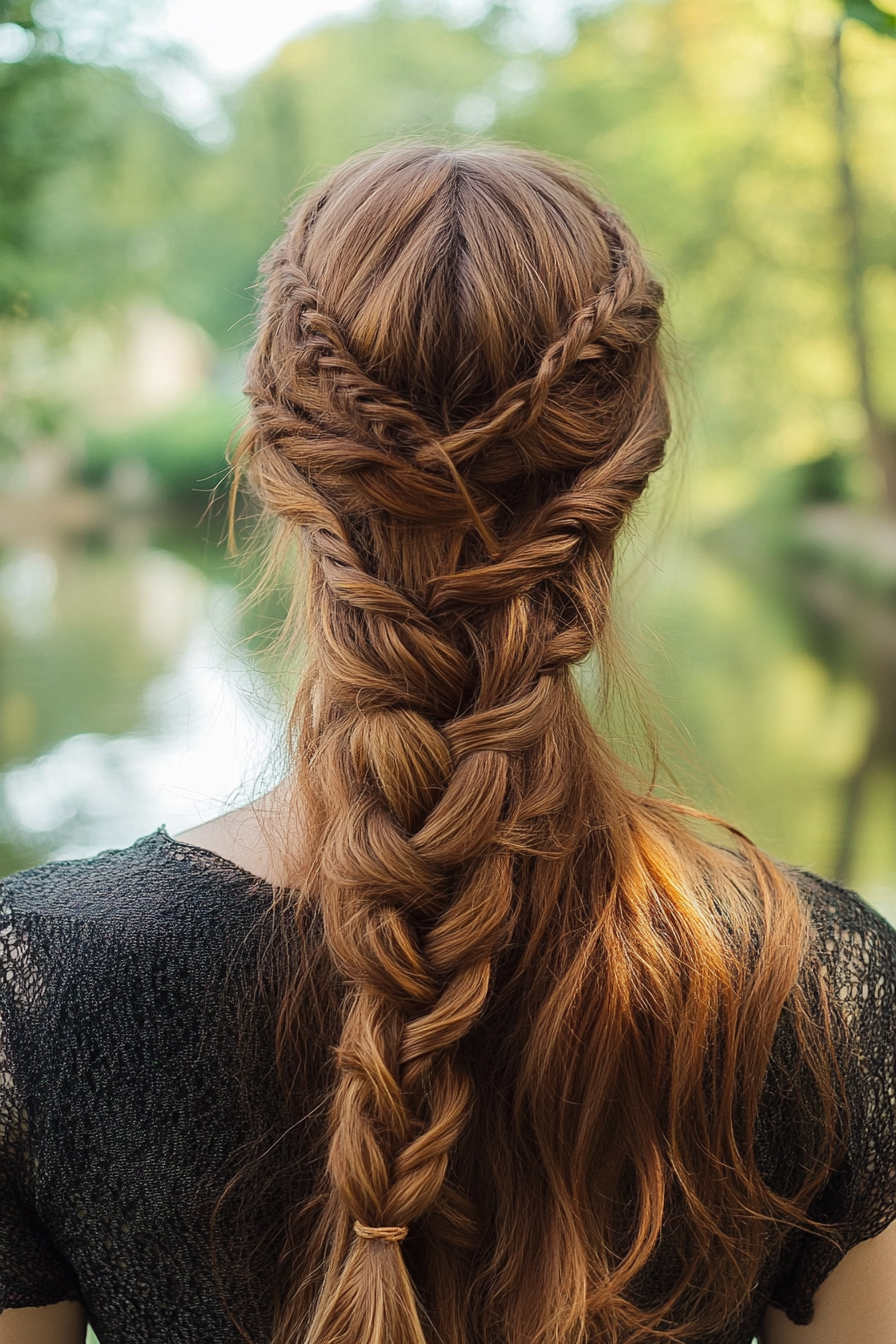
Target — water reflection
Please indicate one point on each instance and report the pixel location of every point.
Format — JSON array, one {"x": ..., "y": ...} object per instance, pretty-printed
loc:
[
  {"x": 27, "y": 589},
  {"x": 863, "y": 633},
  {"x": 781, "y": 706},
  {"x": 125, "y": 700},
  {"x": 128, "y": 699}
]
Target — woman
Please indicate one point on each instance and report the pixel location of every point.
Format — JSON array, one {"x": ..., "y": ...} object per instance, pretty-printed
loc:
[{"x": 457, "y": 1035}]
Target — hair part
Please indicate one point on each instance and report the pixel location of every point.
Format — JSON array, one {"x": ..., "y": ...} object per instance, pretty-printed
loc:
[{"x": 552, "y": 1006}]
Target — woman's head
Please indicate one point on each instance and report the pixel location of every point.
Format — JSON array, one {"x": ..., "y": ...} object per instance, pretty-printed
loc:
[
  {"x": 450, "y": 338},
  {"x": 456, "y": 399}
]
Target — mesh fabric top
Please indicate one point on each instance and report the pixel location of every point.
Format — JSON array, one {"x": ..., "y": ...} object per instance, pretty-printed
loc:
[{"x": 136, "y": 1079}]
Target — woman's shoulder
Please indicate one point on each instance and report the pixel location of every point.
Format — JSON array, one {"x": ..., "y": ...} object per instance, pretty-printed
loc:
[
  {"x": 122, "y": 951},
  {"x": 854, "y": 947},
  {"x": 855, "y": 943},
  {"x": 156, "y": 890}
]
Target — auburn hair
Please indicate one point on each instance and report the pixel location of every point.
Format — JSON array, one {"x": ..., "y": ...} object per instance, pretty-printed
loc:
[{"x": 552, "y": 1003}]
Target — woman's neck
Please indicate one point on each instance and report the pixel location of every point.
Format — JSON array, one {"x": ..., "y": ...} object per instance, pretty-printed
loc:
[{"x": 253, "y": 837}]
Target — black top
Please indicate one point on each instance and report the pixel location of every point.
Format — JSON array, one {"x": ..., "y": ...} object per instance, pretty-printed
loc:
[{"x": 136, "y": 1075}]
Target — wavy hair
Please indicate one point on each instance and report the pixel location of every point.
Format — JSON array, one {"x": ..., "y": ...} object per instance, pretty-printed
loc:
[{"x": 552, "y": 1004}]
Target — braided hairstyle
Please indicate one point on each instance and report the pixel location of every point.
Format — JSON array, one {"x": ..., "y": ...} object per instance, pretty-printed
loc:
[{"x": 556, "y": 1003}]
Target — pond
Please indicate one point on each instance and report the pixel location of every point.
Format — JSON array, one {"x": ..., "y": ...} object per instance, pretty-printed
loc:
[{"x": 132, "y": 695}]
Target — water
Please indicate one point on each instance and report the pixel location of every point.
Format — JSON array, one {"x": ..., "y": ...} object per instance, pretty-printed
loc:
[
  {"x": 130, "y": 697},
  {"x": 127, "y": 697}
]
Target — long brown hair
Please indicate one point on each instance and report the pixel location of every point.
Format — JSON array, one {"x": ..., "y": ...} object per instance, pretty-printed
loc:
[{"x": 553, "y": 1004}]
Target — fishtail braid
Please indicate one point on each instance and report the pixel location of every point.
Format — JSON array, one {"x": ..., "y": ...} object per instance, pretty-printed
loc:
[
  {"x": 621, "y": 316},
  {"x": 350, "y": 421}
]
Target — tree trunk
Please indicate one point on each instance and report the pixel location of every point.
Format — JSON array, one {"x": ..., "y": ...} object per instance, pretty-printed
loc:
[{"x": 881, "y": 436}]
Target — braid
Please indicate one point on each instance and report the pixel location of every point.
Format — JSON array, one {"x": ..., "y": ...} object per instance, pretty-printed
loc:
[
  {"x": 417, "y": 890},
  {"x": 459, "y": 813},
  {"x": 620, "y": 317}
]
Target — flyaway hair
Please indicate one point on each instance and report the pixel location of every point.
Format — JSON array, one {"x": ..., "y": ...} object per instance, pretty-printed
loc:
[{"x": 552, "y": 1005}]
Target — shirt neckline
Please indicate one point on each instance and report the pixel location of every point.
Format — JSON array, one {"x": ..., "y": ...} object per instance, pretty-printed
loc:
[{"x": 194, "y": 851}]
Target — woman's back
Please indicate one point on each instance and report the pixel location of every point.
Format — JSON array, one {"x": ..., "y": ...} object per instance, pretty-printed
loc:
[
  {"x": 138, "y": 1080},
  {"x": 126, "y": 983}
]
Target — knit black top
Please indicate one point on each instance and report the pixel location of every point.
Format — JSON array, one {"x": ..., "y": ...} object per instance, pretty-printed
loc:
[{"x": 136, "y": 1079}]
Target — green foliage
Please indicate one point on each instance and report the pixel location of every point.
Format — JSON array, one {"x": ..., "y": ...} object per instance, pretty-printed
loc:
[
  {"x": 185, "y": 449},
  {"x": 91, "y": 175},
  {"x": 713, "y": 128},
  {"x": 865, "y": 11},
  {"x": 17, "y": 11}
]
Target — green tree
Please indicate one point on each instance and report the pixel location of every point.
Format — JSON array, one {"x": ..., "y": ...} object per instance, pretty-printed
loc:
[
  {"x": 346, "y": 87},
  {"x": 91, "y": 169},
  {"x": 712, "y": 126},
  {"x": 91, "y": 172}
]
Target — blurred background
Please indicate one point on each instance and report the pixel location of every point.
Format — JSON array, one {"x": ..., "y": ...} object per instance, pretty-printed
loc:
[{"x": 147, "y": 155}]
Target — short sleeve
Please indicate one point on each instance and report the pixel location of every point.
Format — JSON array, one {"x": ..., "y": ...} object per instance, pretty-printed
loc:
[
  {"x": 857, "y": 948},
  {"x": 32, "y": 1271}
]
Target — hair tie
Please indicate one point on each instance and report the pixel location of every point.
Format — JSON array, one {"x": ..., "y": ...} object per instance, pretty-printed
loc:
[{"x": 380, "y": 1233}]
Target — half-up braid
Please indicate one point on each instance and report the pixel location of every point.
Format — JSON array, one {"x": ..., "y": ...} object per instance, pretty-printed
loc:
[{"x": 456, "y": 401}]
